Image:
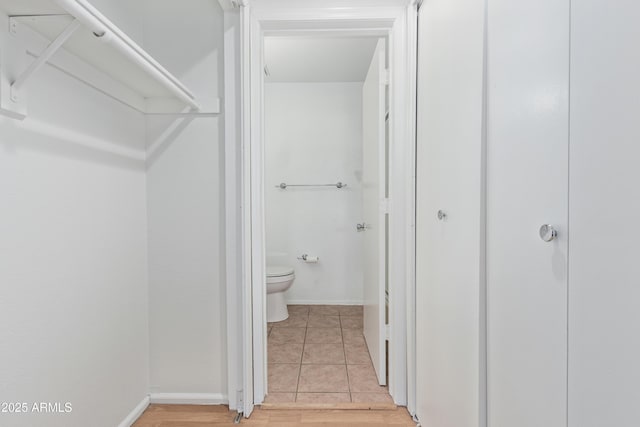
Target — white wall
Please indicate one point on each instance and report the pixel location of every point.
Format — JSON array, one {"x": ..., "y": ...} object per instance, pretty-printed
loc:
[
  {"x": 314, "y": 135},
  {"x": 185, "y": 203},
  {"x": 73, "y": 278},
  {"x": 76, "y": 307}
]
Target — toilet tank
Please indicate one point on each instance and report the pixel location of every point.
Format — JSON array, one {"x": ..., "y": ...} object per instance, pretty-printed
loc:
[{"x": 278, "y": 258}]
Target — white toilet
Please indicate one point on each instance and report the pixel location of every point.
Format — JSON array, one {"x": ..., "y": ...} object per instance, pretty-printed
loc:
[{"x": 279, "y": 279}]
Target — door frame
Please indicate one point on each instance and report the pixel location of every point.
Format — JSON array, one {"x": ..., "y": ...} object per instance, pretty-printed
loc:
[{"x": 397, "y": 20}]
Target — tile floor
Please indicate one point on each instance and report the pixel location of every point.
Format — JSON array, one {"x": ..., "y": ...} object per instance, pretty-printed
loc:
[{"x": 318, "y": 355}]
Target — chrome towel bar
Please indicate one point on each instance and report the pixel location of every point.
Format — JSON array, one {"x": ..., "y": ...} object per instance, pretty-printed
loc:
[{"x": 284, "y": 185}]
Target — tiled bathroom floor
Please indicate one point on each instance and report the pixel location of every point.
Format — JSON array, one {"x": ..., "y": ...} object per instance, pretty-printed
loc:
[{"x": 318, "y": 355}]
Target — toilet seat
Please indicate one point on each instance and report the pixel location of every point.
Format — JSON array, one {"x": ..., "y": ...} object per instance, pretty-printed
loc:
[{"x": 279, "y": 271}]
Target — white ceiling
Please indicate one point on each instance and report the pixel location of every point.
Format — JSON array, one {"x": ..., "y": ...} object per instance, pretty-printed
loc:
[
  {"x": 29, "y": 7},
  {"x": 318, "y": 59}
]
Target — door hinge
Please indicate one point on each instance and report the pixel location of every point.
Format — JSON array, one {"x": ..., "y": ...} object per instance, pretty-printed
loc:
[
  {"x": 385, "y": 77},
  {"x": 384, "y": 206},
  {"x": 240, "y": 400},
  {"x": 239, "y": 406},
  {"x": 13, "y": 26}
]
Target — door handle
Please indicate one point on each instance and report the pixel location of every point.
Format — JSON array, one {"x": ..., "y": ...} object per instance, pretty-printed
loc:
[
  {"x": 547, "y": 232},
  {"x": 362, "y": 227}
]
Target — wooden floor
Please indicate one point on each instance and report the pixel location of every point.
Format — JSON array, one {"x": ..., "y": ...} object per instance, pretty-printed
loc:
[{"x": 220, "y": 416}]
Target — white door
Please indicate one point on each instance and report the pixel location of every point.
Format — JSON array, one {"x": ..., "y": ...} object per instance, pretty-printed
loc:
[
  {"x": 604, "y": 268},
  {"x": 527, "y": 187},
  {"x": 373, "y": 184},
  {"x": 449, "y": 179}
]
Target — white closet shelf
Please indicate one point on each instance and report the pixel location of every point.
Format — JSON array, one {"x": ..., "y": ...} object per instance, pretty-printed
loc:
[{"x": 87, "y": 34}]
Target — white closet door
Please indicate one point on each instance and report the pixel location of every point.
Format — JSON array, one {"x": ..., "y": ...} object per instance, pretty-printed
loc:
[
  {"x": 604, "y": 272},
  {"x": 527, "y": 186},
  {"x": 449, "y": 159}
]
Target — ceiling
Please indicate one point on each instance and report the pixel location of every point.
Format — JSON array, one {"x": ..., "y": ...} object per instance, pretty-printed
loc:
[
  {"x": 29, "y": 7},
  {"x": 318, "y": 59}
]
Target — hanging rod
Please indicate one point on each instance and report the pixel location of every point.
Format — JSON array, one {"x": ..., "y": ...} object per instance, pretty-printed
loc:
[
  {"x": 284, "y": 185},
  {"x": 106, "y": 31}
]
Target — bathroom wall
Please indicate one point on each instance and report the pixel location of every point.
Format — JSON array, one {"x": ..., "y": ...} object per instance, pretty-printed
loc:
[
  {"x": 314, "y": 135},
  {"x": 73, "y": 277},
  {"x": 185, "y": 203}
]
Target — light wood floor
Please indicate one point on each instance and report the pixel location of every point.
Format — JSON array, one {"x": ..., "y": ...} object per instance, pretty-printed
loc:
[{"x": 220, "y": 416}]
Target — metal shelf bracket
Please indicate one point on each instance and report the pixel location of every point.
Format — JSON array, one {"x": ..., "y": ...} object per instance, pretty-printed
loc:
[{"x": 41, "y": 60}]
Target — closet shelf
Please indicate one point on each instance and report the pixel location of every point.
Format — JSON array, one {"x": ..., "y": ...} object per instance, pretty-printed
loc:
[{"x": 87, "y": 34}]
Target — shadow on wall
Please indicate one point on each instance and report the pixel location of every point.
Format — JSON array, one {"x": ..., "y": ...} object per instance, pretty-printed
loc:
[
  {"x": 174, "y": 128},
  {"x": 65, "y": 143}
]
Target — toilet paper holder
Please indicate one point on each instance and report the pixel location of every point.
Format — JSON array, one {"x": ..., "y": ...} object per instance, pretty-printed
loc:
[{"x": 307, "y": 258}]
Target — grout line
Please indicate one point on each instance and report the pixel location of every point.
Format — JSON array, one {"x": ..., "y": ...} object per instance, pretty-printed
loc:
[
  {"x": 344, "y": 350},
  {"x": 304, "y": 342},
  {"x": 346, "y": 366}
]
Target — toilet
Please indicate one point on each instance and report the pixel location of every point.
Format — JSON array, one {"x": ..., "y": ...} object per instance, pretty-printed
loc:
[{"x": 279, "y": 279}]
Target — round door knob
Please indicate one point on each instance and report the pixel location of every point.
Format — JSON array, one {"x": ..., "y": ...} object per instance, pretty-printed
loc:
[
  {"x": 548, "y": 233},
  {"x": 441, "y": 215}
]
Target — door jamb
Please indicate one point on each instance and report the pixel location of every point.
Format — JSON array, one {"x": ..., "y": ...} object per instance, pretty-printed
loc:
[{"x": 398, "y": 22}]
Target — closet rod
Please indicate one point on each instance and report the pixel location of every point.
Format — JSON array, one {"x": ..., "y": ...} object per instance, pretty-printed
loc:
[
  {"x": 90, "y": 85},
  {"x": 106, "y": 31}
]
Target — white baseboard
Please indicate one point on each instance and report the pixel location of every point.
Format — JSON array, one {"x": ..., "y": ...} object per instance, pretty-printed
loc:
[
  {"x": 324, "y": 302},
  {"x": 189, "y": 398},
  {"x": 135, "y": 414}
]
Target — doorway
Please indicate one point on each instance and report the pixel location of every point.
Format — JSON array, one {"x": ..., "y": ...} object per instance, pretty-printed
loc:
[
  {"x": 325, "y": 216},
  {"x": 248, "y": 382}
]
